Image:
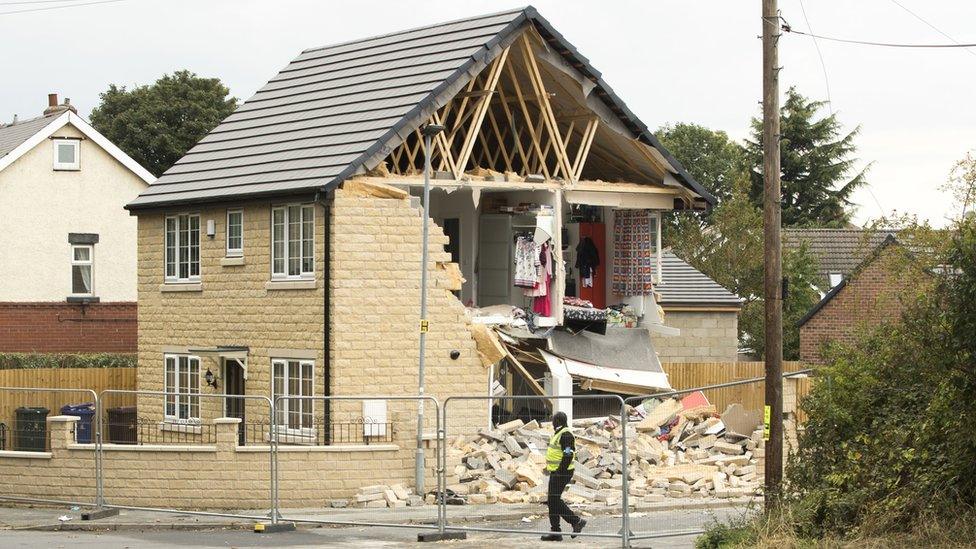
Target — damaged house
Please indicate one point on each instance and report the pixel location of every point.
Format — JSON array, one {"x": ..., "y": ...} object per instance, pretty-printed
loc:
[{"x": 281, "y": 255}]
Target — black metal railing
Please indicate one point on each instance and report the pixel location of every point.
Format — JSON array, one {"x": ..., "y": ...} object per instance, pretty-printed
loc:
[
  {"x": 25, "y": 438},
  {"x": 316, "y": 433},
  {"x": 141, "y": 430}
]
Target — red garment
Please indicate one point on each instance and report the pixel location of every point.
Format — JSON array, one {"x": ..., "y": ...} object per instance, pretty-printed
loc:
[{"x": 543, "y": 304}]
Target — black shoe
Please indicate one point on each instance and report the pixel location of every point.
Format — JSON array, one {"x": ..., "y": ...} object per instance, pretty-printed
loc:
[
  {"x": 578, "y": 528},
  {"x": 552, "y": 537}
]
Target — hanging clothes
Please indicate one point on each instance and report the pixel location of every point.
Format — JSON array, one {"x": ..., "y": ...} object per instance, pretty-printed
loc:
[
  {"x": 587, "y": 260},
  {"x": 526, "y": 262},
  {"x": 543, "y": 301},
  {"x": 634, "y": 242},
  {"x": 543, "y": 270}
]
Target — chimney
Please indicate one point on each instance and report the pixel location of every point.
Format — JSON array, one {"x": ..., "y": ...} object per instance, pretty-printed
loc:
[{"x": 54, "y": 108}]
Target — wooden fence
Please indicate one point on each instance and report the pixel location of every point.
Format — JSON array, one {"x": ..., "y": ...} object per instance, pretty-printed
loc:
[
  {"x": 752, "y": 396},
  {"x": 97, "y": 379}
]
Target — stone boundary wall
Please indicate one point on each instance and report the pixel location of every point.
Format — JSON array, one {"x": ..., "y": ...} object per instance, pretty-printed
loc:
[{"x": 216, "y": 476}]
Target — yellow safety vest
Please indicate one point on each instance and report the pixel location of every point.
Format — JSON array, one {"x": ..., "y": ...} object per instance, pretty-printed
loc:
[{"x": 554, "y": 454}]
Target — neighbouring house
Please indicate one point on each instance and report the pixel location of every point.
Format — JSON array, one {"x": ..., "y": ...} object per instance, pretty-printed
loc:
[
  {"x": 280, "y": 258},
  {"x": 870, "y": 293},
  {"x": 705, "y": 313},
  {"x": 837, "y": 252},
  {"x": 68, "y": 248}
]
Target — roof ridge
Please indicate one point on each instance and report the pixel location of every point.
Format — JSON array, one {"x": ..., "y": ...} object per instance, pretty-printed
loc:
[
  {"x": 28, "y": 120},
  {"x": 414, "y": 29}
]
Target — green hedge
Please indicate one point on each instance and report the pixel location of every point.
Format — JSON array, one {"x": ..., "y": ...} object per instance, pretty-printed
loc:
[{"x": 13, "y": 361}]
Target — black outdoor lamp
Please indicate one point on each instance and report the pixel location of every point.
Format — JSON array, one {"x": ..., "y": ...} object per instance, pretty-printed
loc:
[{"x": 210, "y": 378}]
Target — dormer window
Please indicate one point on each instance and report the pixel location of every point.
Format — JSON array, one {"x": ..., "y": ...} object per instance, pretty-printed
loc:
[{"x": 66, "y": 154}]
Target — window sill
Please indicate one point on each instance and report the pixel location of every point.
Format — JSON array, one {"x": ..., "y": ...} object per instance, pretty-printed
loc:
[
  {"x": 181, "y": 287},
  {"x": 67, "y": 169},
  {"x": 188, "y": 428},
  {"x": 309, "y": 284},
  {"x": 81, "y": 299},
  {"x": 232, "y": 261}
]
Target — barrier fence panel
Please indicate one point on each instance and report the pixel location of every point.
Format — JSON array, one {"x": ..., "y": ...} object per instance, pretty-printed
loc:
[
  {"x": 47, "y": 435},
  {"x": 351, "y": 460},
  {"x": 179, "y": 452},
  {"x": 495, "y": 476},
  {"x": 695, "y": 464}
]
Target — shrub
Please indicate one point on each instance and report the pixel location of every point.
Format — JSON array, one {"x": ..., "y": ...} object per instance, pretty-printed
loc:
[
  {"x": 889, "y": 438},
  {"x": 12, "y": 361}
]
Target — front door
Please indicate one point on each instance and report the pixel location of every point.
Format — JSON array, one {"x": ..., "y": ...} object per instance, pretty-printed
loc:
[{"x": 234, "y": 385}]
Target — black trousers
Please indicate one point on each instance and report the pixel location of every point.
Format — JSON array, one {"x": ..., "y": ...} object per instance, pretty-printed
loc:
[{"x": 557, "y": 507}]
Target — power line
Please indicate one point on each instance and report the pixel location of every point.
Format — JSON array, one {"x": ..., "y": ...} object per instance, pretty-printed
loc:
[
  {"x": 60, "y": 7},
  {"x": 830, "y": 104},
  {"x": 37, "y": 2},
  {"x": 787, "y": 28},
  {"x": 933, "y": 27}
]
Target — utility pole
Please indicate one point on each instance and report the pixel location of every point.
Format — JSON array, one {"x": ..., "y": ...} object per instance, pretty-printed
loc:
[{"x": 773, "y": 260}]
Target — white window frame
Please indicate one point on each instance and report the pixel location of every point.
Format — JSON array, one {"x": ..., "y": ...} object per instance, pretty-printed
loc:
[
  {"x": 835, "y": 279},
  {"x": 306, "y": 239},
  {"x": 90, "y": 263},
  {"x": 172, "y": 255},
  {"x": 285, "y": 406},
  {"x": 67, "y": 166},
  {"x": 181, "y": 391},
  {"x": 238, "y": 251}
]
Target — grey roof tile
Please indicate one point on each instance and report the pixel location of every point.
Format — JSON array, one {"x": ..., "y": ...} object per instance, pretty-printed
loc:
[
  {"x": 837, "y": 251},
  {"x": 682, "y": 284},
  {"x": 12, "y": 135},
  {"x": 337, "y": 110}
]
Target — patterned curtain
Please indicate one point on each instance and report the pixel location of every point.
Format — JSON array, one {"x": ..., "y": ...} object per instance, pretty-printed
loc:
[{"x": 634, "y": 240}]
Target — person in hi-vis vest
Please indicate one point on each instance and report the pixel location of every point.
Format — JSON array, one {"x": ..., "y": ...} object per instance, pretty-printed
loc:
[{"x": 559, "y": 467}]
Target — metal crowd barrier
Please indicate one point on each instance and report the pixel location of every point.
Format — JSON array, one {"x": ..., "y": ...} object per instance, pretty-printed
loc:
[{"x": 17, "y": 438}]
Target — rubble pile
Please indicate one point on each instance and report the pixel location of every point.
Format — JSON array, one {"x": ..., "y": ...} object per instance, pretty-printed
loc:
[
  {"x": 381, "y": 495},
  {"x": 676, "y": 448}
]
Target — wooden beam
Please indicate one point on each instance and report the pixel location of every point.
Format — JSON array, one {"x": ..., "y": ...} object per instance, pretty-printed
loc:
[
  {"x": 525, "y": 112},
  {"x": 528, "y": 377},
  {"x": 584, "y": 151},
  {"x": 536, "y": 77},
  {"x": 481, "y": 110}
]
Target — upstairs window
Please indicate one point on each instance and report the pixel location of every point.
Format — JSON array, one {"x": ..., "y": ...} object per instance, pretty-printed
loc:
[
  {"x": 292, "y": 229},
  {"x": 182, "y": 248},
  {"x": 81, "y": 270},
  {"x": 235, "y": 233},
  {"x": 66, "y": 154}
]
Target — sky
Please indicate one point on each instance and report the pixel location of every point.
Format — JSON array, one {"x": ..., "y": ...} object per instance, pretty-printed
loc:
[{"x": 671, "y": 61}]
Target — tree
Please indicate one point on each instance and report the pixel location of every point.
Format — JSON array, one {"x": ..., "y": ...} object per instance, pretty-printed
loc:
[
  {"x": 710, "y": 156},
  {"x": 730, "y": 252},
  {"x": 156, "y": 124},
  {"x": 816, "y": 161}
]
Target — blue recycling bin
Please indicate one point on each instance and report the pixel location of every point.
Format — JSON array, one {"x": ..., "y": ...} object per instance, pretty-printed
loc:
[{"x": 86, "y": 411}]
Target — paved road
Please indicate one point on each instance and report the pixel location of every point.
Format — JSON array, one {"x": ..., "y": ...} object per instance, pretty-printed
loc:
[{"x": 379, "y": 537}]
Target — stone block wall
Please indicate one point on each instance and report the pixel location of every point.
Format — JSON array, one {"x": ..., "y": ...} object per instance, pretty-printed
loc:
[
  {"x": 706, "y": 336},
  {"x": 233, "y": 307},
  {"x": 203, "y": 476},
  {"x": 376, "y": 251},
  {"x": 374, "y": 289}
]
